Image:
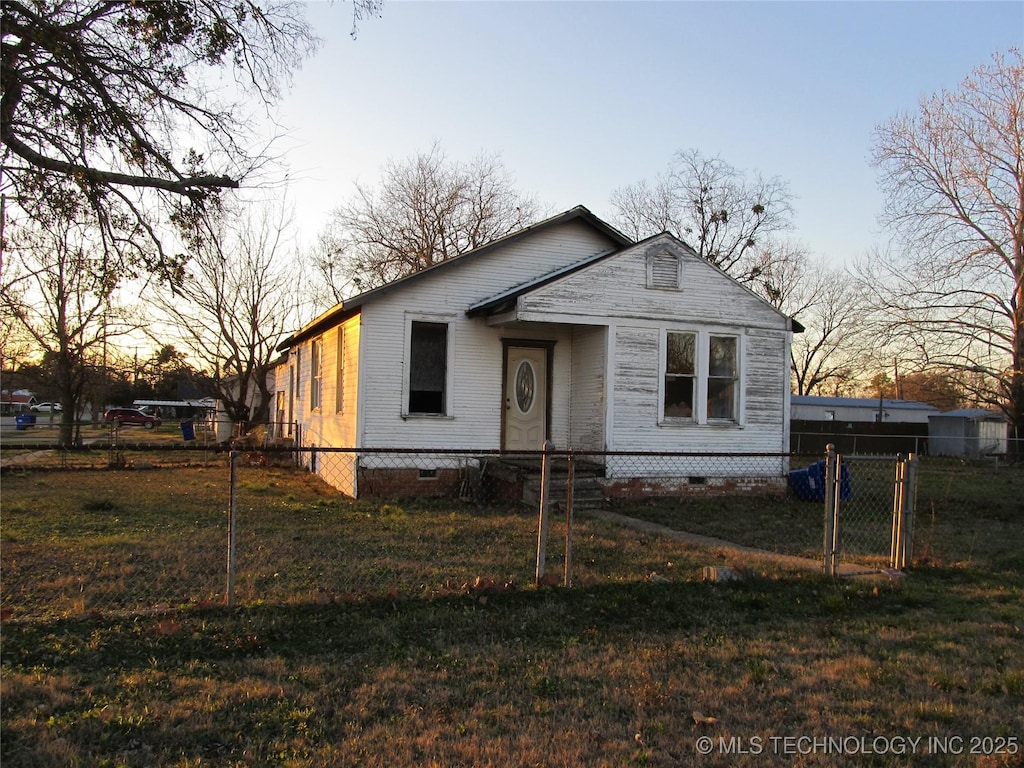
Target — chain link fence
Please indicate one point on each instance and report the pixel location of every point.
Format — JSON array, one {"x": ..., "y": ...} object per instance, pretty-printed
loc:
[
  {"x": 266, "y": 521},
  {"x": 869, "y": 510}
]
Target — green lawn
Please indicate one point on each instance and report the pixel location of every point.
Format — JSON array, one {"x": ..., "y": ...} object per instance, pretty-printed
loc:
[{"x": 413, "y": 666}]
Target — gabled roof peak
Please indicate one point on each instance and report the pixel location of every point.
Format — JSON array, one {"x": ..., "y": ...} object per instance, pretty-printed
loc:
[{"x": 351, "y": 305}]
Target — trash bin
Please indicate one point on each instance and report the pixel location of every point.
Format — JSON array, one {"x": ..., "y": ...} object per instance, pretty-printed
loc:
[
  {"x": 806, "y": 484},
  {"x": 188, "y": 430},
  {"x": 24, "y": 420},
  {"x": 809, "y": 484}
]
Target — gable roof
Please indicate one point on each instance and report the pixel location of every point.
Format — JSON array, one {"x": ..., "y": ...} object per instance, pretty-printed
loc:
[
  {"x": 507, "y": 299},
  {"x": 349, "y": 307}
]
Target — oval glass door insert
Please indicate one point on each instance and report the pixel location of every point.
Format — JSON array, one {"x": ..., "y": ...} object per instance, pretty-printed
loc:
[{"x": 526, "y": 386}]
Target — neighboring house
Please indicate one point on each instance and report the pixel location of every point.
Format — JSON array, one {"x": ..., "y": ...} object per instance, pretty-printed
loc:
[
  {"x": 859, "y": 424},
  {"x": 860, "y": 410},
  {"x": 971, "y": 432},
  {"x": 565, "y": 331},
  {"x": 18, "y": 401}
]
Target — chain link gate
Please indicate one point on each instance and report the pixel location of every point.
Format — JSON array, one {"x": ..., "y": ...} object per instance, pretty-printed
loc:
[{"x": 869, "y": 510}]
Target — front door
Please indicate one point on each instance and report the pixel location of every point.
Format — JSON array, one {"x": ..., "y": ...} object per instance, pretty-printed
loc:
[{"x": 526, "y": 398}]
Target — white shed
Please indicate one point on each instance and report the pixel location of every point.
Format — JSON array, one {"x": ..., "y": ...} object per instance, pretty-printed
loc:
[{"x": 970, "y": 432}]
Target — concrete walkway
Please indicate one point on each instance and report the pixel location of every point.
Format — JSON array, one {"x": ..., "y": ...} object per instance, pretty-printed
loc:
[{"x": 728, "y": 548}]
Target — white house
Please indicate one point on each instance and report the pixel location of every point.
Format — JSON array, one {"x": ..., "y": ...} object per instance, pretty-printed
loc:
[{"x": 565, "y": 331}]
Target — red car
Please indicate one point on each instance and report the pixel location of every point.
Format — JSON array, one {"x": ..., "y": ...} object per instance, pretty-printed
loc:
[{"x": 122, "y": 416}]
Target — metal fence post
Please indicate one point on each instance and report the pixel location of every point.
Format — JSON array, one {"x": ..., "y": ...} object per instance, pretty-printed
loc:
[
  {"x": 896, "y": 540},
  {"x": 831, "y": 509},
  {"x": 909, "y": 503},
  {"x": 542, "y": 523},
  {"x": 229, "y": 595},
  {"x": 570, "y": 482}
]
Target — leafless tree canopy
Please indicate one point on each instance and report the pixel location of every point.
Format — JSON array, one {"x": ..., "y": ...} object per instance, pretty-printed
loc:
[
  {"x": 827, "y": 302},
  {"x": 240, "y": 295},
  {"x": 57, "y": 289},
  {"x": 425, "y": 210},
  {"x": 953, "y": 283},
  {"x": 123, "y": 102},
  {"x": 718, "y": 210}
]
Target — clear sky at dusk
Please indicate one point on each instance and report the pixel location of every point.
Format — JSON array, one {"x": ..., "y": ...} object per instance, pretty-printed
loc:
[{"x": 580, "y": 98}]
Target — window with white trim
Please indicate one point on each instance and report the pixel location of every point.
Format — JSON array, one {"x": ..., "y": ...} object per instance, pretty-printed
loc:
[
  {"x": 316, "y": 373},
  {"x": 339, "y": 373},
  {"x": 680, "y": 375},
  {"x": 428, "y": 368},
  {"x": 723, "y": 378},
  {"x": 701, "y": 379}
]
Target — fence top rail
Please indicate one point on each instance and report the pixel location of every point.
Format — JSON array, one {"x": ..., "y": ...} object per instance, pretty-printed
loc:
[
  {"x": 563, "y": 452},
  {"x": 876, "y": 457},
  {"x": 227, "y": 447}
]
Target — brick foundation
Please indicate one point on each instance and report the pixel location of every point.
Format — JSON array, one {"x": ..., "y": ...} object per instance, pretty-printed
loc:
[{"x": 408, "y": 483}]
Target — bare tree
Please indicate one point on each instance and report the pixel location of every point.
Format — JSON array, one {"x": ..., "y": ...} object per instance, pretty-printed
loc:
[
  {"x": 118, "y": 100},
  {"x": 953, "y": 283},
  {"x": 241, "y": 293},
  {"x": 826, "y": 301},
  {"x": 57, "y": 286},
  {"x": 426, "y": 209},
  {"x": 718, "y": 210}
]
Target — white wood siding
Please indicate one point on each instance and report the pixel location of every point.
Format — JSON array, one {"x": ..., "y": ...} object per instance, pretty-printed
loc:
[
  {"x": 326, "y": 426},
  {"x": 475, "y": 396},
  {"x": 615, "y": 292},
  {"x": 587, "y": 407},
  {"x": 617, "y": 288}
]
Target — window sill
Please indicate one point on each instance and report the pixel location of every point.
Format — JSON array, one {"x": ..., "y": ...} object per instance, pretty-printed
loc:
[
  {"x": 427, "y": 417},
  {"x": 690, "y": 423}
]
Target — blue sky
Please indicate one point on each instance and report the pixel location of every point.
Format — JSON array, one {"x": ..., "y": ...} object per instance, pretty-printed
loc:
[{"x": 580, "y": 98}]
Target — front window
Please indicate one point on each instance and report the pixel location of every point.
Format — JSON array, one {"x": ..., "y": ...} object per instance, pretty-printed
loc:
[
  {"x": 428, "y": 367},
  {"x": 701, "y": 382},
  {"x": 722, "y": 377},
  {"x": 680, "y": 375}
]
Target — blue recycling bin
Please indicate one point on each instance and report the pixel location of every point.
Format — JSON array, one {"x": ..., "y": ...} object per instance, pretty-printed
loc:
[
  {"x": 806, "y": 485},
  {"x": 188, "y": 430},
  {"x": 24, "y": 420},
  {"x": 809, "y": 484}
]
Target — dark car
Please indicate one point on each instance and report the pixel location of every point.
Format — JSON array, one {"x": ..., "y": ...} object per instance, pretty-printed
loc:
[{"x": 122, "y": 416}]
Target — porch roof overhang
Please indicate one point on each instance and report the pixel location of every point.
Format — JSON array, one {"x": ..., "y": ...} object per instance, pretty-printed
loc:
[{"x": 507, "y": 301}]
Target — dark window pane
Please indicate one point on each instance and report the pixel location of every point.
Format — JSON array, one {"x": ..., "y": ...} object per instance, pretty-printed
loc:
[
  {"x": 428, "y": 360},
  {"x": 721, "y": 399},
  {"x": 680, "y": 353},
  {"x": 678, "y": 397}
]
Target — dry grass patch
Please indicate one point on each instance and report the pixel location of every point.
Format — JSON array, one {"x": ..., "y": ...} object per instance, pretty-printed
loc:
[{"x": 620, "y": 671}]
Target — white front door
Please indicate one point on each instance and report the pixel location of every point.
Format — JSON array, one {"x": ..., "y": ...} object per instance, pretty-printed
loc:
[{"x": 526, "y": 398}]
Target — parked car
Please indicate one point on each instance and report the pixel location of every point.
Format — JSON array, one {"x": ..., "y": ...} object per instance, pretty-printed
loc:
[
  {"x": 47, "y": 407},
  {"x": 122, "y": 416}
]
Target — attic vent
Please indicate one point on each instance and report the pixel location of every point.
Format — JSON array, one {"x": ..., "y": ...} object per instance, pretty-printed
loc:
[{"x": 663, "y": 271}]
